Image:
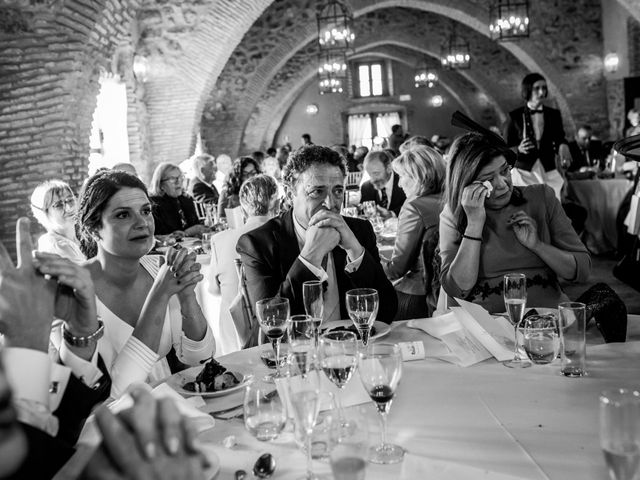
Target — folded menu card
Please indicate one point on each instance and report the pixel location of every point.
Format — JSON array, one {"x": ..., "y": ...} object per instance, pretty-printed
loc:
[{"x": 470, "y": 333}]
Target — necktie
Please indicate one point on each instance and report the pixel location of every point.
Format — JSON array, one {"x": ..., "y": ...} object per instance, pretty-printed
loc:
[
  {"x": 384, "y": 200},
  {"x": 323, "y": 264},
  {"x": 533, "y": 112}
]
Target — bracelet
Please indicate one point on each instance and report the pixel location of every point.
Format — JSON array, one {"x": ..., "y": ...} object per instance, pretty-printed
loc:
[
  {"x": 83, "y": 341},
  {"x": 468, "y": 237}
]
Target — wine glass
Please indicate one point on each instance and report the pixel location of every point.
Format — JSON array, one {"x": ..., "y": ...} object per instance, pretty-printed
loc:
[
  {"x": 620, "y": 432},
  {"x": 338, "y": 359},
  {"x": 312, "y": 297},
  {"x": 303, "y": 390},
  {"x": 264, "y": 412},
  {"x": 515, "y": 298},
  {"x": 380, "y": 367},
  {"x": 273, "y": 317},
  {"x": 362, "y": 306}
]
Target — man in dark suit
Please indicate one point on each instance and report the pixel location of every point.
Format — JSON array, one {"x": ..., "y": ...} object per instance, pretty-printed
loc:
[
  {"x": 585, "y": 151},
  {"x": 382, "y": 186},
  {"x": 201, "y": 188},
  {"x": 537, "y": 134},
  {"x": 312, "y": 241}
]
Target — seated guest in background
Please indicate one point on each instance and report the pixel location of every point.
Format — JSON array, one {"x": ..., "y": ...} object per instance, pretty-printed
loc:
[
  {"x": 358, "y": 159},
  {"x": 174, "y": 212},
  {"x": 382, "y": 186},
  {"x": 52, "y": 397},
  {"x": 243, "y": 169},
  {"x": 396, "y": 138},
  {"x": 486, "y": 233},
  {"x": 54, "y": 206},
  {"x": 585, "y": 151},
  {"x": 125, "y": 167},
  {"x": 259, "y": 200},
  {"x": 344, "y": 151},
  {"x": 258, "y": 157},
  {"x": 312, "y": 241},
  {"x": 634, "y": 123},
  {"x": 201, "y": 188},
  {"x": 415, "y": 141},
  {"x": 422, "y": 172},
  {"x": 305, "y": 139},
  {"x": 144, "y": 317}
]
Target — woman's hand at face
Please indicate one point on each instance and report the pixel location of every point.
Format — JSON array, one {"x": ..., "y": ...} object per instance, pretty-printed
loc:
[
  {"x": 473, "y": 197},
  {"x": 525, "y": 229}
]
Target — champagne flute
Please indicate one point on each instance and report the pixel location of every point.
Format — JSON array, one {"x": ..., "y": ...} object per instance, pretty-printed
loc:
[
  {"x": 362, "y": 306},
  {"x": 515, "y": 298},
  {"x": 380, "y": 367},
  {"x": 301, "y": 342},
  {"x": 273, "y": 317},
  {"x": 338, "y": 359},
  {"x": 620, "y": 432},
  {"x": 312, "y": 297},
  {"x": 264, "y": 412},
  {"x": 303, "y": 390}
]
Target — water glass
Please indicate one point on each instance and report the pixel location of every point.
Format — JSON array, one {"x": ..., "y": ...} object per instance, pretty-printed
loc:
[
  {"x": 264, "y": 411},
  {"x": 369, "y": 208},
  {"x": 301, "y": 327},
  {"x": 541, "y": 338},
  {"x": 573, "y": 328},
  {"x": 362, "y": 307},
  {"x": 620, "y": 432},
  {"x": 324, "y": 435},
  {"x": 313, "y": 299},
  {"x": 348, "y": 457},
  {"x": 206, "y": 242}
]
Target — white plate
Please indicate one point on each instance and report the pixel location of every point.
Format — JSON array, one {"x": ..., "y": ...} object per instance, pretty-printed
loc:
[
  {"x": 381, "y": 328},
  {"x": 177, "y": 380}
]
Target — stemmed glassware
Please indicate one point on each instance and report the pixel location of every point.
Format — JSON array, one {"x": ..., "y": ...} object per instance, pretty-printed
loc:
[
  {"x": 273, "y": 317},
  {"x": 515, "y": 299},
  {"x": 301, "y": 343},
  {"x": 303, "y": 389},
  {"x": 312, "y": 297},
  {"x": 380, "y": 367},
  {"x": 338, "y": 358},
  {"x": 362, "y": 306},
  {"x": 620, "y": 432}
]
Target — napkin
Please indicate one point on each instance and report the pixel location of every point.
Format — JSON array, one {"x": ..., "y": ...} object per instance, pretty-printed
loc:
[{"x": 414, "y": 466}]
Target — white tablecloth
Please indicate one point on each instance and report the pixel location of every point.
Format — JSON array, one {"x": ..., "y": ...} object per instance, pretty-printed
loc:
[{"x": 532, "y": 423}]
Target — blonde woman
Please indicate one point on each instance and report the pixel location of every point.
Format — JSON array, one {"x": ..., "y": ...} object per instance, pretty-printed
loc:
[
  {"x": 422, "y": 174},
  {"x": 54, "y": 206}
]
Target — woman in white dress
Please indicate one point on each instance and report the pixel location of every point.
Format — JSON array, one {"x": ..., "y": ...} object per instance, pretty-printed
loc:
[
  {"x": 144, "y": 317},
  {"x": 54, "y": 206}
]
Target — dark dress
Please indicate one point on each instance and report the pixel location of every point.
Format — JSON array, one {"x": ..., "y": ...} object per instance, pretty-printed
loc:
[{"x": 171, "y": 214}]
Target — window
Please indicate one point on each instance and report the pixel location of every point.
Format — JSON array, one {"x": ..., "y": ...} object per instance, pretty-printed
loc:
[
  {"x": 371, "y": 80},
  {"x": 371, "y": 128}
]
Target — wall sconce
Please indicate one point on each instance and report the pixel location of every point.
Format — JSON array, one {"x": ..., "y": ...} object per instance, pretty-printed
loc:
[
  {"x": 611, "y": 62},
  {"x": 141, "y": 68},
  {"x": 436, "y": 101},
  {"x": 312, "y": 109}
]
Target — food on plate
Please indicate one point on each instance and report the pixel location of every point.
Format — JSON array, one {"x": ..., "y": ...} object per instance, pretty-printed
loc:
[
  {"x": 213, "y": 378},
  {"x": 349, "y": 328}
]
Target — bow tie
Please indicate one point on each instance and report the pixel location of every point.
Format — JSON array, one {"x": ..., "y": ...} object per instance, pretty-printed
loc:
[{"x": 533, "y": 112}]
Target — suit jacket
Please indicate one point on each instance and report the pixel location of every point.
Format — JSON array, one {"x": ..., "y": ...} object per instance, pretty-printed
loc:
[
  {"x": 552, "y": 137},
  {"x": 166, "y": 213},
  {"x": 579, "y": 159},
  {"x": 203, "y": 193},
  {"x": 368, "y": 192},
  {"x": 270, "y": 257}
]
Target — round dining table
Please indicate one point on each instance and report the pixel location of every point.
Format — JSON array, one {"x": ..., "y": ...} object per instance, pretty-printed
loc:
[{"x": 483, "y": 421}]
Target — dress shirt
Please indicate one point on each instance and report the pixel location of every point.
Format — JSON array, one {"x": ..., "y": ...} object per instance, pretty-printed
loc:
[
  {"x": 538, "y": 123},
  {"x": 332, "y": 295}
]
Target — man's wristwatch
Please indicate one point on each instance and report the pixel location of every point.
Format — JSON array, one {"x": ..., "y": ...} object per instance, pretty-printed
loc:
[{"x": 85, "y": 341}]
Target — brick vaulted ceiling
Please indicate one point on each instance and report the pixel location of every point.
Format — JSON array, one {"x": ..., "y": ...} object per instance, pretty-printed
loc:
[{"x": 229, "y": 95}]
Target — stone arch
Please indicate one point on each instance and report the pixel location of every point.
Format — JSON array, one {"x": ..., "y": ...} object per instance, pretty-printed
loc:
[
  {"x": 632, "y": 6},
  {"x": 273, "y": 105},
  {"x": 236, "y": 120}
]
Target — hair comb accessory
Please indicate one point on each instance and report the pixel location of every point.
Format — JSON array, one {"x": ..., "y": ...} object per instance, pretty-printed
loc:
[
  {"x": 460, "y": 120},
  {"x": 629, "y": 147}
]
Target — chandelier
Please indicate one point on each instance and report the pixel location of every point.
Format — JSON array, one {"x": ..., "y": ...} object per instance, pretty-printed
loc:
[
  {"x": 509, "y": 19},
  {"x": 332, "y": 72},
  {"x": 424, "y": 75},
  {"x": 454, "y": 54},
  {"x": 335, "y": 26}
]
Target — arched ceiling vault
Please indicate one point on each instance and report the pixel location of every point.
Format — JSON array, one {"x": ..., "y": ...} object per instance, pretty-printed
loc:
[
  {"x": 414, "y": 26},
  {"x": 466, "y": 87}
]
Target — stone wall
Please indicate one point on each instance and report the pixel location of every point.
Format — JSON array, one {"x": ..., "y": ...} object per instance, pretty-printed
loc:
[{"x": 50, "y": 60}]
